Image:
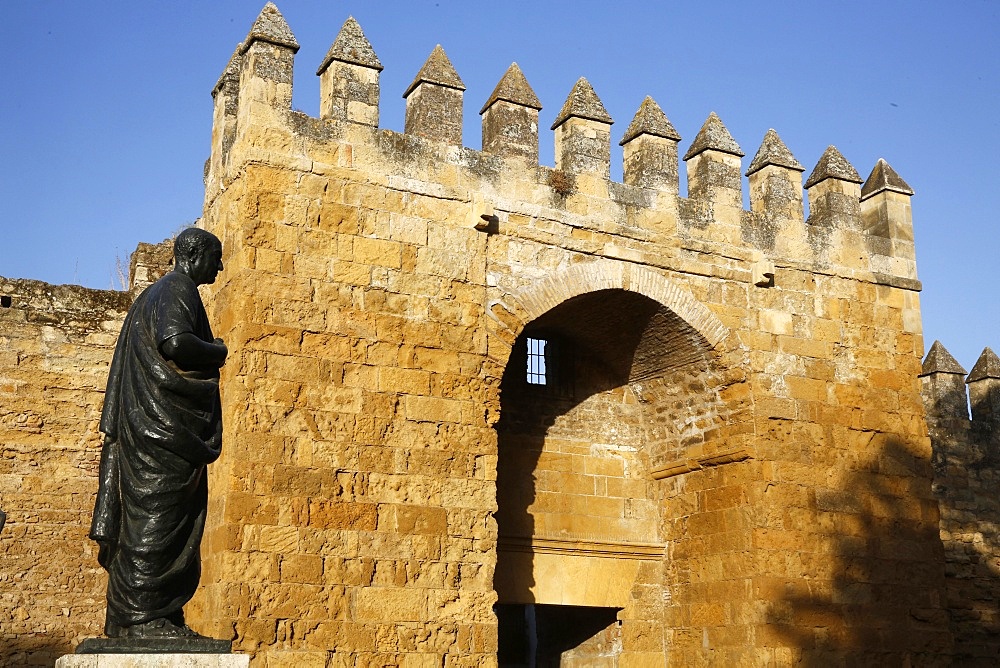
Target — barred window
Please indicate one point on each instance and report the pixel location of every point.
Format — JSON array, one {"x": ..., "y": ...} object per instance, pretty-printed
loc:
[
  {"x": 549, "y": 365},
  {"x": 536, "y": 362}
]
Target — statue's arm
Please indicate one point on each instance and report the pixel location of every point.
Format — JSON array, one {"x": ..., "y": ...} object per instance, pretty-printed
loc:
[{"x": 192, "y": 354}]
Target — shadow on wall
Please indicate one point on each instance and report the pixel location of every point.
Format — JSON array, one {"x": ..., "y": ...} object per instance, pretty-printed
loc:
[
  {"x": 967, "y": 485},
  {"x": 38, "y": 651},
  {"x": 527, "y": 413},
  {"x": 876, "y": 595},
  {"x": 585, "y": 352}
]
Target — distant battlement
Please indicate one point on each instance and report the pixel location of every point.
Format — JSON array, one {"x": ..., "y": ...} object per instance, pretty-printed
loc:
[
  {"x": 947, "y": 402},
  {"x": 858, "y": 229}
]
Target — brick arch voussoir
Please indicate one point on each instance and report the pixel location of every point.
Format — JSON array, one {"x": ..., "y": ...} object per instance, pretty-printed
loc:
[{"x": 513, "y": 312}]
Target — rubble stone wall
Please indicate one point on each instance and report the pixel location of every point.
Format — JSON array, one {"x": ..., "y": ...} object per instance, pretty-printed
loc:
[
  {"x": 966, "y": 478},
  {"x": 55, "y": 347}
]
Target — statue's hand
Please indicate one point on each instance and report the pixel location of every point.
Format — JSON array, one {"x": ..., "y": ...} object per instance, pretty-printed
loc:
[
  {"x": 193, "y": 354},
  {"x": 225, "y": 350}
]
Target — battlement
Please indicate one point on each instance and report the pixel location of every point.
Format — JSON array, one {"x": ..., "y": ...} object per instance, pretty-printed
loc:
[
  {"x": 856, "y": 229},
  {"x": 951, "y": 397}
]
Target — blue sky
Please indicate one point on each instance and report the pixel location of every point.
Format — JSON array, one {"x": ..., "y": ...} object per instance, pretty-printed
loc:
[{"x": 106, "y": 110}]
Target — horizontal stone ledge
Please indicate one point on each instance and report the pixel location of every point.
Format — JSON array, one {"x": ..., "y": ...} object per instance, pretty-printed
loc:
[
  {"x": 681, "y": 466},
  {"x": 899, "y": 282},
  {"x": 580, "y": 547}
]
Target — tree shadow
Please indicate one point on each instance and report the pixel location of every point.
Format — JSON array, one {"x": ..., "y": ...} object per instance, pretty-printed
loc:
[
  {"x": 872, "y": 587},
  {"x": 967, "y": 485}
]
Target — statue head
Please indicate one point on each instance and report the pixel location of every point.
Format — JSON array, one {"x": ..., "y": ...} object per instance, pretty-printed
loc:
[{"x": 198, "y": 254}]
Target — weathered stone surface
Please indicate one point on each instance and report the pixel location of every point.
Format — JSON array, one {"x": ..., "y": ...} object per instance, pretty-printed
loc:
[
  {"x": 510, "y": 118},
  {"x": 434, "y": 101},
  {"x": 987, "y": 366},
  {"x": 882, "y": 178},
  {"x": 651, "y": 120},
  {"x": 513, "y": 88},
  {"x": 437, "y": 69},
  {"x": 939, "y": 360},
  {"x": 153, "y": 661},
  {"x": 270, "y": 26},
  {"x": 230, "y": 77},
  {"x": 832, "y": 165},
  {"x": 713, "y": 136},
  {"x": 582, "y": 102},
  {"x": 55, "y": 347},
  {"x": 650, "y": 149},
  {"x": 773, "y": 151},
  {"x": 965, "y": 482},
  {"x": 351, "y": 46}
]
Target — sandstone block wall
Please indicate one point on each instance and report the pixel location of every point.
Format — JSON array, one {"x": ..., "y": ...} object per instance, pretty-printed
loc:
[{"x": 55, "y": 347}]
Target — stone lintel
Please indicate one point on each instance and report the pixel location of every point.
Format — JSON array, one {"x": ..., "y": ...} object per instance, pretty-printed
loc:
[
  {"x": 901, "y": 282},
  {"x": 682, "y": 466}
]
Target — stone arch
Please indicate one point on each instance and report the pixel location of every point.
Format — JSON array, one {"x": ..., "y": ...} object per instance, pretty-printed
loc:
[
  {"x": 642, "y": 348},
  {"x": 519, "y": 307}
]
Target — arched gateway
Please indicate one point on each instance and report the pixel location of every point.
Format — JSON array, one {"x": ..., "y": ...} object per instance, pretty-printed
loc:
[{"x": 613, "y": 374}]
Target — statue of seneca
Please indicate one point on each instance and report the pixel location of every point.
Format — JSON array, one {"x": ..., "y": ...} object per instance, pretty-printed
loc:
[{"x": 162, "y": 424}]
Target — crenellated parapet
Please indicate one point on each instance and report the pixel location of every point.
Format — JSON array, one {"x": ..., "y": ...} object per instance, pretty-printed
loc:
[
  {"x": 963, "y": 411},
  {"x": 863, "y": 231},
  {"x": 888, "y": 221},
  {"x": 266, "y": 59},
  {"x": 966, "y": 458},
  {"x": 583, "y": 133},
  {"x": 650, "y": 150},
  {"x": 984, "y": 397}
]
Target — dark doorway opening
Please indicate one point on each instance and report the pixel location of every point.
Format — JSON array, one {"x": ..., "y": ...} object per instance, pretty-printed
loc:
[{"x": 557, "y": 636}]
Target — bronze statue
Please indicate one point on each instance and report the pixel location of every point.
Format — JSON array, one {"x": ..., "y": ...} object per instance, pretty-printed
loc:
[{"x": 163, "y": 425}]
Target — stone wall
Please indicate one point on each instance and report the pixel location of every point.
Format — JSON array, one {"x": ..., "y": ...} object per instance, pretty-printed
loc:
[
  {"x": 55, "y": 348},
  {"x": 966, "y": 479}
]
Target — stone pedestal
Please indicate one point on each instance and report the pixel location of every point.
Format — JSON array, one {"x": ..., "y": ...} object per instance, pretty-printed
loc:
[{"x": 153, "y": 661}]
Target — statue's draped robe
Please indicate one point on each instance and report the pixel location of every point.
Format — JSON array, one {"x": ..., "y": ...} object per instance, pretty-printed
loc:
[{"x": 162, "y": 426}]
